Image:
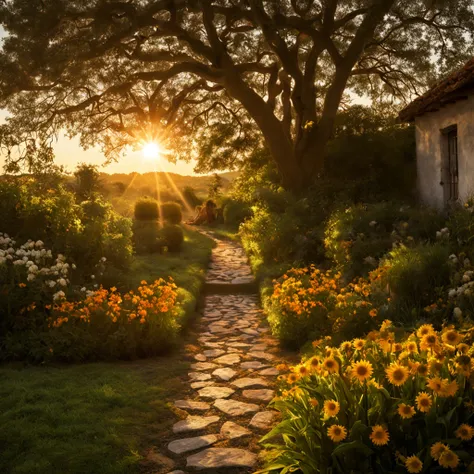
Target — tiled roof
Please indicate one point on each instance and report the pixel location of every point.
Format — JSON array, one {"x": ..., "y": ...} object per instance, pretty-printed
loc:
[{"x": 450, "y": 89}]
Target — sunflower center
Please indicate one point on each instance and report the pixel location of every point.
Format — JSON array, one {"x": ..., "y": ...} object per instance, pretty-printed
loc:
[{"x": 398, "y": 374}]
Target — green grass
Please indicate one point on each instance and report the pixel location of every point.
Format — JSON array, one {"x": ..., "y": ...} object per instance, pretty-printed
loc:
[
  {"x": 95, "y": 418},
  {"x": 225, "y": 232}
]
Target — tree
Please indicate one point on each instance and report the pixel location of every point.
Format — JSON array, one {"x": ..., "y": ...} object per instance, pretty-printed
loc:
[
  {"x": 215, "y": 186},
  {"x": 118, "y": 72},
  {"x": 88, "y": 180}
]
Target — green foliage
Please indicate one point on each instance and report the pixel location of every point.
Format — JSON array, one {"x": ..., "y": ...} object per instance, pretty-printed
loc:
[
  {"x": 146, "y": 209},
  {"x": 190, "y": 197},
  {"x": 215, "y": 187},
  {"x": 87, "y": 180},
  {"x": 415, "y": 276},
  {"x": 173, "y": 237},
  {"x": 147, "y": 236},
  {"x": 235, "y": 211},
  {"x": 171, "y": 212}
]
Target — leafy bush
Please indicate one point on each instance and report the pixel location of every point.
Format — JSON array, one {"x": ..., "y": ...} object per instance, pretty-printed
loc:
[
  {"x": 147, "y": 236},
  {"x": 307, "y": 303},
  {"x": 190, "y": 197},
  {"x": 377, "y": 405},
  {"x": 415, "y": 277},
  {"x": 173, "y": 237},
  {"x": 235, "y": 211},
  {"x": 171, "y": 212},
  {"x": 146, "y": 209}
]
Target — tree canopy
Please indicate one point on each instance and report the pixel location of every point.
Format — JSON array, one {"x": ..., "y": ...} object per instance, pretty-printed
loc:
[{"x": 190, "y": 72}]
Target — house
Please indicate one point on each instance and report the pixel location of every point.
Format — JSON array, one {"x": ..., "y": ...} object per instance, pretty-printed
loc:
[{"x": 444, "y": 124}]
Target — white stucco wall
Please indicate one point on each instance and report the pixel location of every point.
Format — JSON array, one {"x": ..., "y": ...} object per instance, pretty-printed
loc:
[{"x": 430, "y": 153}]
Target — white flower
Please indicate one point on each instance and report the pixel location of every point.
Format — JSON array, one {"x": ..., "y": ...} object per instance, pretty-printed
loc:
[
  {"x": 96, "y": 285},
  {"x": 438, "y": 234},
  {"x": 467, "y": 262},
  {"x": 33, "y": 269},
  {"x": 103, "y": 259},
  {"x": 457, "y": 312},
  {"x": 18, "y": 262},
  {"x": 445, "y": 230},
  {"x": 2, "y": 260},
  {"x": 83, "y": 288},
  {"x": 373, "y": 223},
  {"x": 452, "y": 293},
  {"x": 73, "y": 266},
  {"x": 92, "y": 277},
  {"x": 31, "y": 277},
  {"x": 51, "y": 283},
  {"x": 59, "y": 295},
  {"x": 468, "y": 292},
  {"x": 62, "y": 282},
  {"x": 466, "y": 278},
  {"x": 39, "y": 243}
]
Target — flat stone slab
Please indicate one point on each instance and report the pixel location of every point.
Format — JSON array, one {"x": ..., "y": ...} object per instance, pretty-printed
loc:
[
  {"x": 215, "y": 458},
  {"x": 264, "y": 395},
  {"x": 194, "y": 423},
  {"x": 199, "y": 376},
  {"x": 263, "y": 420},
  {"x": 225, "y": 373},
  {"x": 228, "y": 359},
  {"x": 231, "y": 430},
  {"x": 213, "y": 352},
  {"x": 254, "y": 364},
  {"x": 190, "y": 444},
  {"x": 204, "y": 366},
  {"x": 235, "y": 408},
  {"x": 216, "y": 392},
  {"x": 200, "y": 357},
  {"x": 270, "y": 372},
  {"x": 261, "y": 355},
  {"x": 176, "y": 472},
  {"x": 250, "y": 332},
  {"x": 198, "y": 385},
  {"x": 246, "y": 382},
  {"x": 192, "y": 405}
]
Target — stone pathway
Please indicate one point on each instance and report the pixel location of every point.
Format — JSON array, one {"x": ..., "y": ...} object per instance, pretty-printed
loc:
[{"x": 232, "y": 379}]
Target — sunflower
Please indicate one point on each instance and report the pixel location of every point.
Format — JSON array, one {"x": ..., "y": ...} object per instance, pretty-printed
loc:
[
  {"x": 292, "y": 378},
  {"x": 449, "y": 389},
  {"x": 313, "y": 402},
  {"x": 448, "y": 459},
  {"x": 437, "y": 449},
  {"x": 451, "y": 337},
  {"x": 361, "y": 370},
  {"x": 436, "y": 384},
  {"x": 465, "y": 432},
  {"x": 346, "y": 346},
  {"x": 423, "y": 402},
  {"x": 462, "y": 348},
  {"x": 331, "y": 365},
  {"x": 424, "y": 330},
  {"x": 422, "y": 370},
  {"x": 406, "y": 411},
  {"x": 314, "y": 363},
  {"x": 397, "y": 347},
  {"x": 412, "y": 347},
  {"x": 429, "y": 341},
  {"x": 331, "y": 408},
  {"x": 435, "y": 366},
  {"x": 337, "y": 433},
  {"x": 413, "y": 464},
  {"x": 379, "y": 435},
  {"x": 359, "y": 344},
  {"x": 302, "y": 370},
  {"x": 397, "y": 374}
]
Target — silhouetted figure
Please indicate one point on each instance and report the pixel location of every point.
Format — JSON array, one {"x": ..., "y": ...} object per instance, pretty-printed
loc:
[{"x": 204, "y": 214}]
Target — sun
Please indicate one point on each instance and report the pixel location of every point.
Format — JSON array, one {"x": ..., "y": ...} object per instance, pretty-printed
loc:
[{"x": 151, "y": 151}]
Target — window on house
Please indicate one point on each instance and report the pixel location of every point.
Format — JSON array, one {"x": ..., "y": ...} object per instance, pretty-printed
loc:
[{"x": 450, "y": 165}]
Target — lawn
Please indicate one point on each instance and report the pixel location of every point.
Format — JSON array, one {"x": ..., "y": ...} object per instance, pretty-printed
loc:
[
  {"x": 94, "y": 418},
  {"x": 101, "y": 417}
]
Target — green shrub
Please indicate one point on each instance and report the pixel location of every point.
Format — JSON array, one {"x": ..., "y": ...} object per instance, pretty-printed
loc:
[
  {"x": 416, "y": 277},
  {"x": 173, "y": 237},
  {"x": 147, "y": 236},
  {"x": 171, "y": 212},
  {"x": 146, "y": 209},
  {"x": 235, "y": 212},
  {"x": 94, "y": 209},
  {"x": 190, "y": 197}
]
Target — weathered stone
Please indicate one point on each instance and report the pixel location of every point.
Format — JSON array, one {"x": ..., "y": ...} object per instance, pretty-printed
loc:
[
  {"x": 214, "y": 353},
  {"x": 269, "y": 372},
  {"x": 250, "y": 382},
  {"x": 200, "y": 357},
  {"x": 203, "y": 366},
  {"x": 194, "y": 423},
  {"x": 226, "y": 373},
  {"x": 190, "y": 444},
  {"x": 199, "y": 376},
  {"x": 231, "y": 430},
  {"x": 192, "y": 405},
  {"x": 263, "y": 420},
  {"x": 215, "y": 458},
  {"x": 264, "y": 395},
  {"x": 254, "y": 364},
  {"x": 197, "y": 385},
  {"x": 235, "y": 408},
  {"x": 228, "y": 359},
  {"x": 242, "y": 345},
  {"x": 261, "y": 355},
  {"x": 250, "y": 332},
  {"x": 215, "y": 392},
  {"x": 176, "y": 472}
]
